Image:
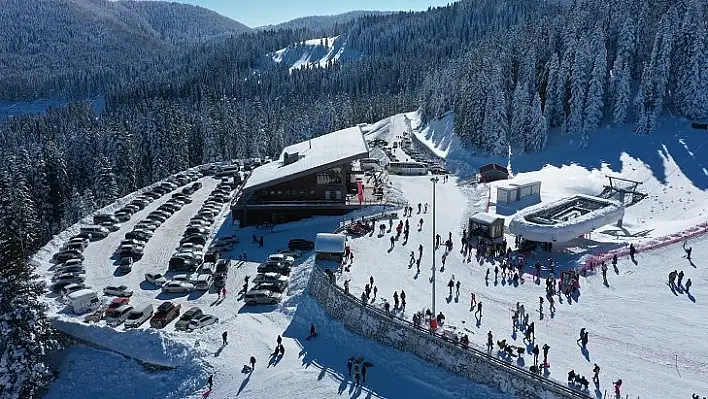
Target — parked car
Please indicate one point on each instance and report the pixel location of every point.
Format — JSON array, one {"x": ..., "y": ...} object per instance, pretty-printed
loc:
[
  {"x": 203, "y": 282},
  {"x": 288, "y": 252},
  {"x": 196, "y": 186},
  {"x": 84, "y": 241},
  {"x": 177, "y": 286},
  {"x": 111, "y": 226},
  {"x": 179, "y": 264},
  {"x": 118, "y": 290},
  {"x": 100, "y": 218},
  {"x": 59, "y": 285},
  {"x": 146, "y": 226},
  {"x": 199, "y": 223},
  {"x": 77, "y": 245},
  {"x": 132, "y": 249},
  {"x": 118, "y": 302},
  {"x": 265, "y": 297},
  {"x": 195, "y": 239},
  {"x": 220, "y": 280},
  {"x": 222, "y": 266},
  {"x": 166, "y": 312},
  {"x": 190, "y": 246},
  {"x": 125, "y": 265},
  {"x": 123, "y": 215},
  {"x": 183, "y": 322},
  {"x": 118, "y": 316},
  {"x": 73, "y": 287},
  {"x": 196, "y": 230},
  {"x": 139, "y": 235},
  {"x": 271, "y": 287},
  {"x": 152, "y": 195},
  {"x": 76, "y": 269},
  {"x": 70, "y": 277},
  {"x": 301, "y": 244},
  {"x": 212, "y": 255},
  {"x": 288, "y": 260},
  {"x": 158, "y": 217},
  {"x": 156, "y": 279},
  {"x": 138, "y": 316},
  {"x": 202, "y": 321},
  {"x": 274, "y": 267},
  {"x": 72, "y": 262},
  {"x": 67, "y": 254},
  {"x": 273, "y": 278},
  {"x": 188, "y": 190}
]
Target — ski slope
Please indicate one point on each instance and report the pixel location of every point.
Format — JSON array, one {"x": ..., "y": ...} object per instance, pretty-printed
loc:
[{"x": 315, "y": 53}]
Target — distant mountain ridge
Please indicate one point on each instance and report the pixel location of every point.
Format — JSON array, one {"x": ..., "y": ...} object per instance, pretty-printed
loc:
[
  {"x": 321, "y": 21},
  {"x": 46, "y": 41}
]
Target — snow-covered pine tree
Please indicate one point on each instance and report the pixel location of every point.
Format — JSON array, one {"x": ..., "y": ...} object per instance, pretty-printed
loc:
[
  {"x": 578, "y": 88},
  {"x": 105, "y": 185},
  {"x": 691, "y": 96},
  {"x": 594, "y": 102},
  {"x": 621, "y": 90},
  {"x": 496, "y": 127},
  {"x": 538, "y": 133},
  {"x": 552, "y": 107},
  {"x": 25, "y": 333},
  {"x": 519, "y": 115}
]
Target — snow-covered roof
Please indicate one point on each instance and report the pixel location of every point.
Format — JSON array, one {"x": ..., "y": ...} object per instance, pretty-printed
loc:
[
  {"x": 569, "y": 229},
  {"x": 316, "y": 154},
  {"x": 486, "y": 218},
  {"x": 330, "y": 243}
]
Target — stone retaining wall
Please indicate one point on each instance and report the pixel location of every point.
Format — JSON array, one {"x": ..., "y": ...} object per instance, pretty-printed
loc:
[{"x": 402, "y": 335}]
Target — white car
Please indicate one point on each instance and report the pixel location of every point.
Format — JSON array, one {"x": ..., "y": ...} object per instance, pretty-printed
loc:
[
  {"x": 286, "y": 260},
  {"x": 155, "y": 278},
  {"x": 146, "y": 226},
  {"x": 181, "y": 278},
  {"x": 202, "y": 321},
  {"x": 177, "y": 286},
  {"x": 118, "y": 290},
  {"x": 190, "y": 246},
  {"x": 117, "y": 316},
  {"x": 191, "y": 254},
  {"x": 273, "y": 278},
  {"x": 294, "y": 253},
  {"x": 72, "y": 288}
]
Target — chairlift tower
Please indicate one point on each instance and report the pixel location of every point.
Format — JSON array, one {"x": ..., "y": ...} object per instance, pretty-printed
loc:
[{"x": 624, "y": 190}]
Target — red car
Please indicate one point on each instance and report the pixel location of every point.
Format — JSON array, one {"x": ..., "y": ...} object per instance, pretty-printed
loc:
[
  {"x": 166, "y": 312},
  {"x": 117, "y": 302}
]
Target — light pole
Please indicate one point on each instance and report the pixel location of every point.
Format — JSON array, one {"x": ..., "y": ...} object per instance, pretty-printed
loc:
[{"x": 434, "y": 180}]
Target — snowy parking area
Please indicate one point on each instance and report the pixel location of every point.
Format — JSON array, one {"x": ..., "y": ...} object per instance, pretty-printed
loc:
[{"x": 639, "y": 330}]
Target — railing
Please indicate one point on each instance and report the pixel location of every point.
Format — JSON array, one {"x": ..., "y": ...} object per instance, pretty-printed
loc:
[{"x": 492, "y": 360}]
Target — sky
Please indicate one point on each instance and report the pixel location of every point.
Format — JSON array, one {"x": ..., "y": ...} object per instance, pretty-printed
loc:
[{"x": 267, "y": 12}]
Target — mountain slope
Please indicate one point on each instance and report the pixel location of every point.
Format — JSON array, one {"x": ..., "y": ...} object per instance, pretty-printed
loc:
[
  {"x": 315, "y": 52},
  {"x": 45, "y": 43},
  {"x": 320, "y": 21}
]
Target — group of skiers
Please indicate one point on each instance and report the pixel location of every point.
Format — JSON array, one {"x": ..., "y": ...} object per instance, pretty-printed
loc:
[
  {"x": 359, "y": 371},
  {"x": 676, "y": 279}
]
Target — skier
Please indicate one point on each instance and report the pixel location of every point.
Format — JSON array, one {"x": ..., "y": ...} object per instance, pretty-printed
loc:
[
  {"x": 420, "y": 224},
  {"x": 688, "y": 285},
  {"x": 349, "y": 365},
  {"x": 346, "y": 286},
  {"x": 632, "y": 251},
  {"x": 680, "y": 277},
  {"x": 596, "y": 374},
  {"x": 395, "y": 299},
  {"x": 223, "y": 292},
  {"x": 313, "y": 332},
  {"x": 412, "y": 259},
  {"x": 371, "y": 280},
  {"x": 426, "y": 208},
  {"x": 604, "y": 273},
  {"x": 393, "y": 239},
  {"x": 450, "y": 285},
  {"x": 486, "y": 276},
  {"x": 618, "y": 385},
  {"x": 437, "y": 240},
  {"x": 614, "y": 260},
  {"x": 356, "y": 374},
  {"x": 420, "y": 251},
  {"x": 582, "y": 334},
  {"x": 419, "y": 207},
  {"x": 210, "y": 380},
  {"x": 540, "y": 302},
  {"x": 522, "y": 311},
  {"x": 688, "y": 251},
  {"x": 363, "y": 372},
  {"x": 551, "y": 304},
  {"x": 260, "y": 242},
  {"x": 535, "y": 354},
  {"x": 479, "y": 309},
  {"x": 253, "y": 362},
  {"x": 457, "y": 288},
  {"x": 403, "y": 299},
  {"x": 376, "y": 290},
  {"x": 496, "y": 272},
  {"x": 672, "y": 278},
  {"x": 531, "y": 332},
  {"x": 473, "y": 300},
  {"x": 585, "y": 339},
  {"x": 545, "y": 354},
  {"x": 279, "y": 340},
  {"x": 223, "y": 338}
]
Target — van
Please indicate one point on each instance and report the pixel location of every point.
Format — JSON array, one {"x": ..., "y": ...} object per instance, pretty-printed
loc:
[
  {"x": 138, "y": 316},
  {"x": 118, "y": 316},
  {"x": 97, "y": 232},
  {"x": 203, "y": 282},
  {"x": 83, "y": 301}
]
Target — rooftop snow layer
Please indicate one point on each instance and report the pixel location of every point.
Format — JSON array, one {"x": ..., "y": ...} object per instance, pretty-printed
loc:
[
  {"x": 330, "y": 243},
  {"x": 318, "y": 153}
]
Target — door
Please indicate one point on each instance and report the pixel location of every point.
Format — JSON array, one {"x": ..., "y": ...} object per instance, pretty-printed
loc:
[
  {"x": 338, "y": 195},
  {"x": 328, "y": 195}
]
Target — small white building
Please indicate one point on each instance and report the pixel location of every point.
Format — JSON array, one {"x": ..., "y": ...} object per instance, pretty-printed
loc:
[
  {"x": 516, "y": 192},
  {"x": 330, "y": 246}
]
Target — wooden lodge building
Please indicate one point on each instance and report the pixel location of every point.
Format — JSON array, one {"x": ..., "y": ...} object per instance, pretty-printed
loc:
[{"x": 314, "y": 177}]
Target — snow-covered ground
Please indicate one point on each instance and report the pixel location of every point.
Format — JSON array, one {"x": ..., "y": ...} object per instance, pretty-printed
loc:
[
  {"x": 639, "y": 329},
  {"x": 315, "y": 52},
  {"x": 315, "y": 368}
]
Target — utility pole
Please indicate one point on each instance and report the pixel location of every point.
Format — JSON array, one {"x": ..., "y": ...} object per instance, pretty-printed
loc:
[{"x": 434, "y": 180}]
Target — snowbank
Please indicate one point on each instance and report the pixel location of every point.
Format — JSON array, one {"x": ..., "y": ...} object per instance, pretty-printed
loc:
[{"x": 569, "y": 229}]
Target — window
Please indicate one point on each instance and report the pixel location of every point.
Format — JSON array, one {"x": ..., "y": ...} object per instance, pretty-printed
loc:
[
  {"x": 280, "y": 192},
  {"x": 331, "y": 176},
  {"x": 302, "y": 192}
]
